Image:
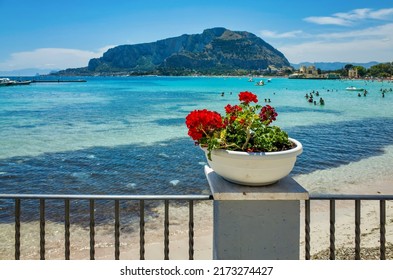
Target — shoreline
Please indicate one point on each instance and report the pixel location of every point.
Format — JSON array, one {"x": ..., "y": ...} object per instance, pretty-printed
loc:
[{"x": 55, "y": 77}]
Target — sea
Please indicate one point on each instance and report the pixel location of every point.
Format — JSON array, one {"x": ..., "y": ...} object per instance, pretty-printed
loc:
[{"x": 127, "y": 135}]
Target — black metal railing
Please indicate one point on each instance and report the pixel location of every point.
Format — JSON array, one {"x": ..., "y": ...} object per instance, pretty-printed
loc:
[
  {"x": 332, "y": 198},
  {"x": 18, "y": 198}
]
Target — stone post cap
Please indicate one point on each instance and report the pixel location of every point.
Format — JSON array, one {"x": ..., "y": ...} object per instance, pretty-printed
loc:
[{"x": 285, "y": 189}]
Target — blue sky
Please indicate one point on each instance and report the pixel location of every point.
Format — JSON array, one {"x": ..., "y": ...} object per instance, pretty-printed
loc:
[{"x": 61, "y": 34}]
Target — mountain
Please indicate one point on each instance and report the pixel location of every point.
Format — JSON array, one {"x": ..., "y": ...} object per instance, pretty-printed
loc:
[
  {"x": 216, "y": 50},
  {"x": 329, "y": 66}
]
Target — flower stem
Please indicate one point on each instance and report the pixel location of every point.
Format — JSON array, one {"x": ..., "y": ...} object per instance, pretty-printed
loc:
[{"x": 247, "y": 139}]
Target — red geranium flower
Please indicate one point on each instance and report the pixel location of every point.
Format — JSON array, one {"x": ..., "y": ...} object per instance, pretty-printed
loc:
[
  {"x": 201, "y": 123},
  {"x": 232, "y": 112},
  {"x": 229, "y": 109},
  {"x": 244, "y": 127},
  {"x": 268, "y": 114},
  {"x": 247, "y": 97}
]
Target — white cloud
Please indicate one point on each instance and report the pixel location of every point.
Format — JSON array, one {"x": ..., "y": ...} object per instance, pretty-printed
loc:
[
  {"x": 357, "y": 45},
  {"x": 356, "y": 14},
  {"x": 382, "y": 32},
  {"x": 361, "y": 45},
  {"x": 381, "y": 14},
  {"x": 348, "y": 18},
  {"x": 328, "y": 20},
  {"x": 273, "y": 34},
  {"x": 362, "y": 50},
  {"x": 53, "y": 58}
]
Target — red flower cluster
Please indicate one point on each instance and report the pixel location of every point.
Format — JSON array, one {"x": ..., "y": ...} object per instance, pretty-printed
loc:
[
  {"x": 247, "y": 97},
  {"x": 232, "y": 111},
  {"x": 229, "y": 109},
  {"x": 202, "y": 123},
  {"x": 268, "y": 114}
]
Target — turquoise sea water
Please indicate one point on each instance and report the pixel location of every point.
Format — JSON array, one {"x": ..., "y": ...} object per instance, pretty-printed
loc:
[{"x": 126, "y": 135}]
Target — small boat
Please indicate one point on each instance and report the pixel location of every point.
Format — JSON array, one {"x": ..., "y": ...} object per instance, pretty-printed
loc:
[
  {"x": 250, "y": 79},
  {"x": 352, "y": 88},
  {"x": 19, "y": 83},
  {"x": 269, "y": 80},
  {"x": 4, "y": 81},
  {"x": 8, "y": 82},
  {"x": 260, "y": 83}
]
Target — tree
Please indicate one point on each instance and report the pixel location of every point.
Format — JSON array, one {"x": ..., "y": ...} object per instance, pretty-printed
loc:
[
  {"x": 382, "y": 70},
  {"x": 361, "y": 71},
  {"x": 347, "y": 67}
]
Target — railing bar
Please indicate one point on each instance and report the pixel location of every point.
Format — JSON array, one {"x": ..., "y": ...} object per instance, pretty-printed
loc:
[
  {"x": 185, "y": 197},
  {"x": 42, "y": 229},
  {"x": 191, "y": 230},
  {"x": 92, "y": 232},
  {"x": 332, "y": 229},
  {"x": 382, "y": 213},
  {"x": 350, "y": 197},
  {"x": 166, "y": 231},
  {"x": 67, "y": 243},
  {"x": 307, "y": 232},
  {"x": 142, "y": 229},
  {"x": 357, "y": 229},
  {"x": 17, "y": 229},
  {"x": 110, "y": 197},
  {"x": 117, "y": 229}
]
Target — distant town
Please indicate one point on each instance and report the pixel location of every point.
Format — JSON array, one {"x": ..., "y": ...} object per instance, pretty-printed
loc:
[{"x": 382, "y": 70}]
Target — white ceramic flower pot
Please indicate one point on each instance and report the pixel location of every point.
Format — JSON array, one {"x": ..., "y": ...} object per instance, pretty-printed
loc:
[{"x": 254, "y": 169}]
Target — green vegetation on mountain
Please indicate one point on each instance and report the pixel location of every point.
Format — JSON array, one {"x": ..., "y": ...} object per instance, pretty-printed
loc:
[{"x": 215, "y": 51}]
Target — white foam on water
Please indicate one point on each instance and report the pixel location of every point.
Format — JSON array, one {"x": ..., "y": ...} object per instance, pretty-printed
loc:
[
  {"x": 174, "y": 182},
  {"x": 131, "y": 185}
]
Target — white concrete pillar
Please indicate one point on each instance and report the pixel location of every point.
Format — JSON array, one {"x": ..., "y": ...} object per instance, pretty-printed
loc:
[{"x": 256, "y": 223}]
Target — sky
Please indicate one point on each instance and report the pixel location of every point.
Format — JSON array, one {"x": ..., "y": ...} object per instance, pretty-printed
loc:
[{"x": 60, "y": 34}]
